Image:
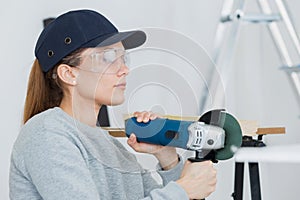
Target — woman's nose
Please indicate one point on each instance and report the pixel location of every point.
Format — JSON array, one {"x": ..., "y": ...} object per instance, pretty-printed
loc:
[{"x": 124, "y": 69}]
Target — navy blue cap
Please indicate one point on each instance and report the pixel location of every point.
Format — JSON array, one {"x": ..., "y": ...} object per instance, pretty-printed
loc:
[{"x": 80, "y": 29}]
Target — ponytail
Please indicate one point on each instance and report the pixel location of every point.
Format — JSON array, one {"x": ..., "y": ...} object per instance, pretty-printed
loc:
[{"x": 43, "y": 92}]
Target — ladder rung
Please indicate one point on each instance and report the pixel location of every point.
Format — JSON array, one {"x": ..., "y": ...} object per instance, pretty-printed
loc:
[
  {"x": 253, "y": 18},
  {"x": 257, "y": 18},
  {"x": 295, "y": 68}
]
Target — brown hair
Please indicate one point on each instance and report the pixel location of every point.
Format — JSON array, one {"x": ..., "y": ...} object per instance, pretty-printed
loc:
[{"x": 44, "y": 90}]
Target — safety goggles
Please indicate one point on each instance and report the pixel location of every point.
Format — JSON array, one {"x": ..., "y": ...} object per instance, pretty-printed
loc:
[{"x": 108, "y": 61}]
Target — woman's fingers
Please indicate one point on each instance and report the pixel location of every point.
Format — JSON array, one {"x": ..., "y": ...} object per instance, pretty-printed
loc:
[{"x": 145, "y": 116}]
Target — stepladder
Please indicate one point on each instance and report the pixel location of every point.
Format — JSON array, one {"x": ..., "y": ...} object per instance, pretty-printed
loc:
[
  {"x": 273, "y": 15},
  {"x": 276, "y": 17}
]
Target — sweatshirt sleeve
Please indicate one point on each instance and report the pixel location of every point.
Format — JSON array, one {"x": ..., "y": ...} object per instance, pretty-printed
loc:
[
  {"x": 172, "y": 174},
  {"x": 56, "y": 168},
  {"x": 170, "y": 189}
]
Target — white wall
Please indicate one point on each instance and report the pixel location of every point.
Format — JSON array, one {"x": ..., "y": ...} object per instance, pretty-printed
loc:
[{"x": 257, "y": 89}]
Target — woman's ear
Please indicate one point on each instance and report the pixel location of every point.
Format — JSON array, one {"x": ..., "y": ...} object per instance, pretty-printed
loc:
[{"x": 67, "y": 74}]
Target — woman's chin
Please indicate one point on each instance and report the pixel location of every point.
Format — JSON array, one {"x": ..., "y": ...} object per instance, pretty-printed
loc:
[{"x": 116, "y": 102}]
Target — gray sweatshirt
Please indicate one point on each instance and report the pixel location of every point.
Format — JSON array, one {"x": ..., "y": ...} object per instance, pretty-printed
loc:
[{"x": 57, "y": 157}]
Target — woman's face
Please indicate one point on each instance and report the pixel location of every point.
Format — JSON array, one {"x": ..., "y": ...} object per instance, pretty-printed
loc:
[{"x": 102, "y": 75}]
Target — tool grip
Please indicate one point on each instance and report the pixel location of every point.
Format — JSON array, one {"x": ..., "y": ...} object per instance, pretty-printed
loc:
[
  {"x": 198, "y": 160},
  {"x": 159, "y": 131}
]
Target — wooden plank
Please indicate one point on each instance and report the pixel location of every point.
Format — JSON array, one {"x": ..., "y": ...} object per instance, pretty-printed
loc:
[
  {"x": 173, "y": 117},
  {"x": 115, "y": 132},
  {"x": 183, "y": 118},
  {"x": 249, "y": 127},
  {"x": 271, "y": 130}
]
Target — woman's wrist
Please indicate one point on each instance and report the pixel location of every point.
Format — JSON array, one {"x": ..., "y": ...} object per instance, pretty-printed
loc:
[
  {"x": 167, "y": 157},
  {"x": 172, "y": 164}
]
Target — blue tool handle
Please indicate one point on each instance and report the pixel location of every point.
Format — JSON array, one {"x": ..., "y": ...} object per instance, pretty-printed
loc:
[{"x": 160, "y": 131}]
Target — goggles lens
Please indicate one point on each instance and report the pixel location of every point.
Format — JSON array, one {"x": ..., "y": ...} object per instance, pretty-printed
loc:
[{"x": 108, "y": 61}]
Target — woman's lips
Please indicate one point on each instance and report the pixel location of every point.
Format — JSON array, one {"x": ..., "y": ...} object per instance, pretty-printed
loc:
[{"x": 121, "y": 85}]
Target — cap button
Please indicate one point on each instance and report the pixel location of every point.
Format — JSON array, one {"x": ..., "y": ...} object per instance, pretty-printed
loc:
[
  {"x": 50, "y": 53},
  {"x": 68, "y": 40}
]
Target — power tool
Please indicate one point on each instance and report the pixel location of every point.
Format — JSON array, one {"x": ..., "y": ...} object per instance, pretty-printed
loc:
[{"x": 215, "y": 136}]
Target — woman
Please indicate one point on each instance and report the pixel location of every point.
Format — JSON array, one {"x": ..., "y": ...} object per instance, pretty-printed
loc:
[{"x": 60, "y": 153}]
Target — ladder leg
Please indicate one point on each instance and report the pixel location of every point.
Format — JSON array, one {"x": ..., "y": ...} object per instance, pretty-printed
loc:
[
  {"x": 223, "y": 51},
  {"x": 280, "y": 43}
]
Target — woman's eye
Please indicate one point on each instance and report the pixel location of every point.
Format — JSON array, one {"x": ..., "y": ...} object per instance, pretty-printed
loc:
[{"x": 109, "y": 56}]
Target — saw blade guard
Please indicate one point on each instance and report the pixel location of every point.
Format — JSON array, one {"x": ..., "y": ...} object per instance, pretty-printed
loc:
[{"x": 233, "y": 132}]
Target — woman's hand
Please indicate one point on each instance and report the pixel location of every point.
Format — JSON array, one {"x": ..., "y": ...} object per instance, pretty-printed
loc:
[
  {"x": 166, "y": 156},
  {"x": 198, "y": 179}
]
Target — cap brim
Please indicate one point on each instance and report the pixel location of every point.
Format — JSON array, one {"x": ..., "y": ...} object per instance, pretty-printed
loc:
[{"x": 130, "y": 39}]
